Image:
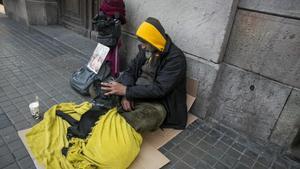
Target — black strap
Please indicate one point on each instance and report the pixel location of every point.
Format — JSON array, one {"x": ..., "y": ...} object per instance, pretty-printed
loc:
[{"x": 67, "y": 117}]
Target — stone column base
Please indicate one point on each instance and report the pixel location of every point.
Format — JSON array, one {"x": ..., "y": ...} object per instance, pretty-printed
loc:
[{"x": 32, "y": 12}]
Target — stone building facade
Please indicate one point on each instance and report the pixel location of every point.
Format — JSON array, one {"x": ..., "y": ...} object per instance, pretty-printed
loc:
[{"x": 245, "y": 54}]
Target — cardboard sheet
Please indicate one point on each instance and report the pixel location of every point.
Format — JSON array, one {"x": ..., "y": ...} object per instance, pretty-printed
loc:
[
  {"x": 160, "y": 137},
  {"x": 21, "y": 134},
  {"x": 149, "y": 157},
  {"x": 145, "y": 159}
]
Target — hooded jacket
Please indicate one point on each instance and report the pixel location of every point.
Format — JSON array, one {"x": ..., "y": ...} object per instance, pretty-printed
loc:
[{"x": 169, "y": 84}]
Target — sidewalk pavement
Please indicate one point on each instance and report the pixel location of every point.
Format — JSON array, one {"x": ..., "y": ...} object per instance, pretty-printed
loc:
[{"x": 40, "y": 60}]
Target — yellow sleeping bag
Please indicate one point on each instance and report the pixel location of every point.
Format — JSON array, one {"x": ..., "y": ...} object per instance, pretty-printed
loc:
[{"x": 112, "y": 144}]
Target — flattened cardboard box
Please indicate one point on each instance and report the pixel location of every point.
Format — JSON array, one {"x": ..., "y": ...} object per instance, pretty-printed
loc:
[{"x": 152, "y": 141}]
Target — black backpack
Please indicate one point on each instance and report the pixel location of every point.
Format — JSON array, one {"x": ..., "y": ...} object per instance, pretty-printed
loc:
[{"x": 109, "y": 29}]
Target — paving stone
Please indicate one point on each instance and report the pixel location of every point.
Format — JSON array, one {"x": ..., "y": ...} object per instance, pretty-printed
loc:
[
  {"x": 265, "y": 161},
  {"x": 190, "y": 159},
  {"x": 5, "y": 103},
  {"x": 220, "y": 127},
  {"x": 197, "y": 152},
  {"x": 60, "y": 98},
  {"x": 277, "y": 166},
  {"x": 4, "y": 121},
  {"x": 168, "y": 146},
  {"x": 181, "y": 165},
  {"x": 209, "y": 159},
  {"x": 180, "y": 137},
  {"x": 196, "y": 137},
  {"x": 4, "y": 150},
  {"x": 231, "y": 133},
  {"x": 219, "y": 165},
  {"x": 240, "y": 166},
  {"x": 210, "y": 139},
  {"x": 1, "y": 141},
  {"x": 178, "y": 151},
  {"x": 162, "y": 150},
  {"x": 3, "y": 99},
  {"x": 9, "y": 108},
  {"x": 282, "y": 161},
  {"x": 227, "y": 140},
  {"x": 216, "y": 133},
  {"x": 23, "y": 105},
  {"x": 7, "y": 131},
  {"x": 216, "y": 153},
  {"x": 25, "y": 91},
  {"x": 233, "y": 153},
  {"x": 221, "y": 146},
  {"x": 22, "y": 125},
  {"x": 229, "y": 161},
  {"x": 14, "y": 95},
  {"x": 173, "y": 159},
  {"x": 258, "y": 166},
  {"x": 202, "y": 165},
  {"x": 6, "y": 160},
  {"x": 295, "y": 167},
  {"x": 10, "y": 137},
  {"x": 13, "y": 114},
  {"x": 251, "y": 154},
  {"x": 15, "y": 145},
  {"x": 186, "y": 145},
  {"x": 26, "y": 163},
  {"x": 239, "y": 147},
  {"x": 246, "y": 161},
  {"x": 12, "y": 166},
  {"x": 204, "y": 146},
  {"x": 193, "y": 126},
  {"x": 18, "y": 118},
  {"x": 205, "y": 128},
  {"x": 20, "y": 153},
  {"x": 18, "y": 100}
]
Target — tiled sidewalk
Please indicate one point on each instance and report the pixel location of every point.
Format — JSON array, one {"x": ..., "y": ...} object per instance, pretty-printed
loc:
[
  {"x": 34, "y": 64},
  {"x": 30, "y": 64}
]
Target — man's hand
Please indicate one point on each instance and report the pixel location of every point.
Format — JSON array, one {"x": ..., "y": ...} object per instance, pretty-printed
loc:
[
  {"x": 114, "y": 88},
  {"x": 127, "y": 105}
]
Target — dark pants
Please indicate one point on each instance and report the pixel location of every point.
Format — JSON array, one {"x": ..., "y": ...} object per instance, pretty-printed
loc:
[{"x": 145, "y": 116}]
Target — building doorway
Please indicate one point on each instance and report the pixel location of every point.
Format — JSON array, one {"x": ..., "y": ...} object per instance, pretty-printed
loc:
[{"x": 77, "y": 15}]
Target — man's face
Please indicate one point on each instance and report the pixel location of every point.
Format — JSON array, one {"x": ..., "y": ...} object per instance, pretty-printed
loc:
[{"x": 148, "y": 47}]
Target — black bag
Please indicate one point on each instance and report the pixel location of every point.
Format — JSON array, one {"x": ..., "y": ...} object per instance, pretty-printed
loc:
[
  {"x": 81, "y": 128},
  {"x": 82, "y": 79},
  {"x": 109, "y": 29}
]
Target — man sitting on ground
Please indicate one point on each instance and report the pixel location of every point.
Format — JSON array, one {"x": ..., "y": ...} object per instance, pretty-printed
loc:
[{"x": 153, "y": 88}]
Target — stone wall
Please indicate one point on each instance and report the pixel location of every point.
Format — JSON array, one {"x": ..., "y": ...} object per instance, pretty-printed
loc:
[
  {"x": 32, "y": 12},
  {"x": 257, "y": 90},
  {"x": 199, "y": 27},
  {"x": 42, "y": 12},
  {"x": 12, "y": 6},
  {"x": 247, "y": 101},
  {"x": 254, "y": 87}
]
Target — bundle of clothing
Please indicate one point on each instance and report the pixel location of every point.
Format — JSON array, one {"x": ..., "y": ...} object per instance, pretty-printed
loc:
[
  {"x": 108, "y": 24},
  {"x": 111, "y": 143},
  {"x": 110, "y": 7}
]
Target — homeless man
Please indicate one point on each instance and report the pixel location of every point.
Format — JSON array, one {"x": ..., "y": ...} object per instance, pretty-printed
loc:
[{"x": 153, "y": 88}]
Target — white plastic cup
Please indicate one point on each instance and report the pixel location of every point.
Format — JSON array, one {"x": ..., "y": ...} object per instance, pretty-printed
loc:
[{"x": 34, "y": 109}]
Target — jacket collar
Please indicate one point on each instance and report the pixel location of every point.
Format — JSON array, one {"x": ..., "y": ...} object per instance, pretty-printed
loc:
[{"x": 168, "y": 45}]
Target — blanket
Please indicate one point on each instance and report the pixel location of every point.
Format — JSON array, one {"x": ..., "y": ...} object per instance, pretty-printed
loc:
[{"x": 112, "y": 144}]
